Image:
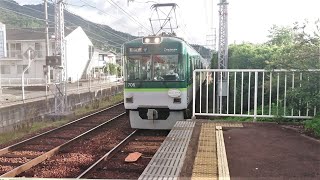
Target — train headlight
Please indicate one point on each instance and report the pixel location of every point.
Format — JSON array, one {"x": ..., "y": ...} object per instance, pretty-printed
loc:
[
  {"x": 146, "y": 40},
  {"x": 157, "y": 40},
  {"x": 174, "y": 93},
  {"x": 151, "y": 40}
]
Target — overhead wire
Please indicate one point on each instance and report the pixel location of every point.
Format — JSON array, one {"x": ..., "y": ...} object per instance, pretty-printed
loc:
[
  {"x": 104, "y": 42},
  {"x": 54, "y": 22},
  {"x": 102, "y": 29},
  {"x": 116, "y": 35},
  {"x": 128, "y": 14},
  {"x": 106, "y": 31}
]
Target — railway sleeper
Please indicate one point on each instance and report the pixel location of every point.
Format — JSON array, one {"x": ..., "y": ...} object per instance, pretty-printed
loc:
[{"x": 10, "y": 164}]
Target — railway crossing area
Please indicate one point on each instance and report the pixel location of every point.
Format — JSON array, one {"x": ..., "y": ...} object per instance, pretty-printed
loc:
[{"x": 205, "y": 149}]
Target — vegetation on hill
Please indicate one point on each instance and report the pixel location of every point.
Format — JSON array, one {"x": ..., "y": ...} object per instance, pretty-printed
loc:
[
  {"x": 30, "y": 16},
  {"x": 102, "y": 36}
]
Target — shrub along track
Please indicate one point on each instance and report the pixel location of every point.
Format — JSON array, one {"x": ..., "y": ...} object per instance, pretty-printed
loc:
[{"x": 20, "y": 157}]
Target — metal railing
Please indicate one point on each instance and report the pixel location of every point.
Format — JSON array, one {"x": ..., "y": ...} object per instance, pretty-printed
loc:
[
  {"x": 18, "y": 81},
  {"x": 256, "y": 93}
]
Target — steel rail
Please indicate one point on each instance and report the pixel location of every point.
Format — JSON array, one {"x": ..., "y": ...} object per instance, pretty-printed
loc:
[
  {"x": 16, "y": 171},
  {"x": 119, "y": 145},
  {"x": 7, "y": 149}
]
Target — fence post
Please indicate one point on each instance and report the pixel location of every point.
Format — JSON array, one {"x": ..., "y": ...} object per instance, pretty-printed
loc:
[
  {"x": 255, "y": 95},
  {"x": 194, "y": 96},
  {"x": 46, "y": 87}
]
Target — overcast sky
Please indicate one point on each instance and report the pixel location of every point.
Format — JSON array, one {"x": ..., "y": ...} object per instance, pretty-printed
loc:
[{"x": 249, "y": 20}]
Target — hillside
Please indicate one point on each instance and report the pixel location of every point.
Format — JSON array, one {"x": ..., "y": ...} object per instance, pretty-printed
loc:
[{"x": 99, "y": 34}]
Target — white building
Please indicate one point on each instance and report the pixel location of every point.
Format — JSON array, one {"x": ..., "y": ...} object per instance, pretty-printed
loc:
[
  {"x": 78, "y": 53},
  {"x": 100, "y": 59},
  {"x": 3, "y": 48}
]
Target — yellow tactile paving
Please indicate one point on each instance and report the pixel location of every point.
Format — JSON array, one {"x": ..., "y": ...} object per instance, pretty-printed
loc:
[
  {"x": 229, "y": 124},
  {"x": 206, "y": 161},
  {"x": 205, "y": 164},
  {"x": 223, "y": 168}
]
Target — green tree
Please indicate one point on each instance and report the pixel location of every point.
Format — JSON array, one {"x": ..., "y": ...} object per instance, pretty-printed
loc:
[
  {"x": 112, "y": 69},
  {"x": 280, "y": 36},
  {"x": 302, "y": 53}
]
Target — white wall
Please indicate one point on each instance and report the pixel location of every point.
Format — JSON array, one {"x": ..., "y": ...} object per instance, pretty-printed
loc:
[
  {"x": 77, "y": 53},
  {"x": 77, "y": 56},
  {"x": 36, "y": 68},
  {"x": 111, "y": 58},
  {"x": 3, "y": 36}
]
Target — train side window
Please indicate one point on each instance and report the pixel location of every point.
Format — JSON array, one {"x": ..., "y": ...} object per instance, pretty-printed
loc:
[{"x": 191, "y": 67}]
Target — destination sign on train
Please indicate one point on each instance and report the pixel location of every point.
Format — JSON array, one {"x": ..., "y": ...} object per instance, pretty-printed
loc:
[{"x": 138, "y": 50}]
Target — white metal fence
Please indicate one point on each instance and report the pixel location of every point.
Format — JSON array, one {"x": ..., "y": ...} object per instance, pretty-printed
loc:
[
  {"x": 257, "y": 93},
  {"x": 18, "y": 81}
]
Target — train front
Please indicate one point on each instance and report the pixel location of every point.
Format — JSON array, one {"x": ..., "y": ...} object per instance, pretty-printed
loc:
[{"x": 155, "y": 88}]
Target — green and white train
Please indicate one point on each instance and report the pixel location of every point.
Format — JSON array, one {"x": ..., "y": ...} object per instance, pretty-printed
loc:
[{"x": 158, "y": 80}]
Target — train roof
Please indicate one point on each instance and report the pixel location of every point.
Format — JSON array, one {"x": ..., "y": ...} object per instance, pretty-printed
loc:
[{"x": 165, "y": 39}]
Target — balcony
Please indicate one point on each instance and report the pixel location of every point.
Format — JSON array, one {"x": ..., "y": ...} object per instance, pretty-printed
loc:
[{"x": 20, "y": 55}]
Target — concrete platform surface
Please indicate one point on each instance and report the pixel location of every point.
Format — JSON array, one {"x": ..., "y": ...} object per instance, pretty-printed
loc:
[
  {"x": 228, "y": 150},
  {"x": 269, "y": 151}
]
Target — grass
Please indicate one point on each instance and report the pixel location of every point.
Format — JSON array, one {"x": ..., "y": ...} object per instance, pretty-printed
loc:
[
  {"x": 35, "y": 127},
  {"x": 313, "y": 126},
  {"x": 108, "y": 101},
  {"x": 41, "y": 125}
]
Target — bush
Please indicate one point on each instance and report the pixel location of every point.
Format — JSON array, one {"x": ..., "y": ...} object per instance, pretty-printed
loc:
[{"x": 313, "y": 125}]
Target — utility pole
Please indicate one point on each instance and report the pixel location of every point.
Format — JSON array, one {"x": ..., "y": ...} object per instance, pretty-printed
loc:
[
  {"x": 47, "y": 28},
  {"x": 30, "y": 60},
  {"x": 47, "y": 68},
  {"x": 223, "y": 35},
  {"x": 60, "y": 70},
  {"x": 222, "y": 54}
]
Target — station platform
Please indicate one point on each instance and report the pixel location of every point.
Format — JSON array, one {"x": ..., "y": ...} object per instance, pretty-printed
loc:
[
  {"x": 192, "y": 149},
  {"x": 205, "y": 149}
]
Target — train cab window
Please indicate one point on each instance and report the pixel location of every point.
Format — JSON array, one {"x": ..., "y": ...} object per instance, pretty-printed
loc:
[
  {"x": 167, "y": 68},
  {"x": 138, "y": 68}
]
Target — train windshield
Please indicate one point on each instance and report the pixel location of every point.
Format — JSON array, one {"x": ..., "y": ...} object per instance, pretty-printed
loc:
[
  {"x": 139, "y": 68},
  {"x": 166, "y": 67},
  {"x": 154, "y": 68}
]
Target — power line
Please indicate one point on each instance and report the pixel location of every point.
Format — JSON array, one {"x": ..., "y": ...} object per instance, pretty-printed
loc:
[
  {"x": 106, "y": 31},
  {"x": 54, "y": 22},
  {"x": 104, "y": 42},
  {"x": 129, "y": 15},
  {"x": 114, "y": 34},
  {"x": 111, "y": 33}
]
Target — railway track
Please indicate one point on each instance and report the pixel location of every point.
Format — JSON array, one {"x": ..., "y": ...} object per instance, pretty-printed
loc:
[
  {"x": 77, "y": 156},
  {"x": 22, "y": 156},
  {"x": 113, "y": 166}
]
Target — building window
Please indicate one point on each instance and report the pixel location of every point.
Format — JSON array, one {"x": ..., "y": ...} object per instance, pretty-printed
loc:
[
  {"x": 15, "y": 50},
  {"x": 38, "y": 49},
  {"x": 5, "y": 69},
  {"x": 20, "y": 69}
]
